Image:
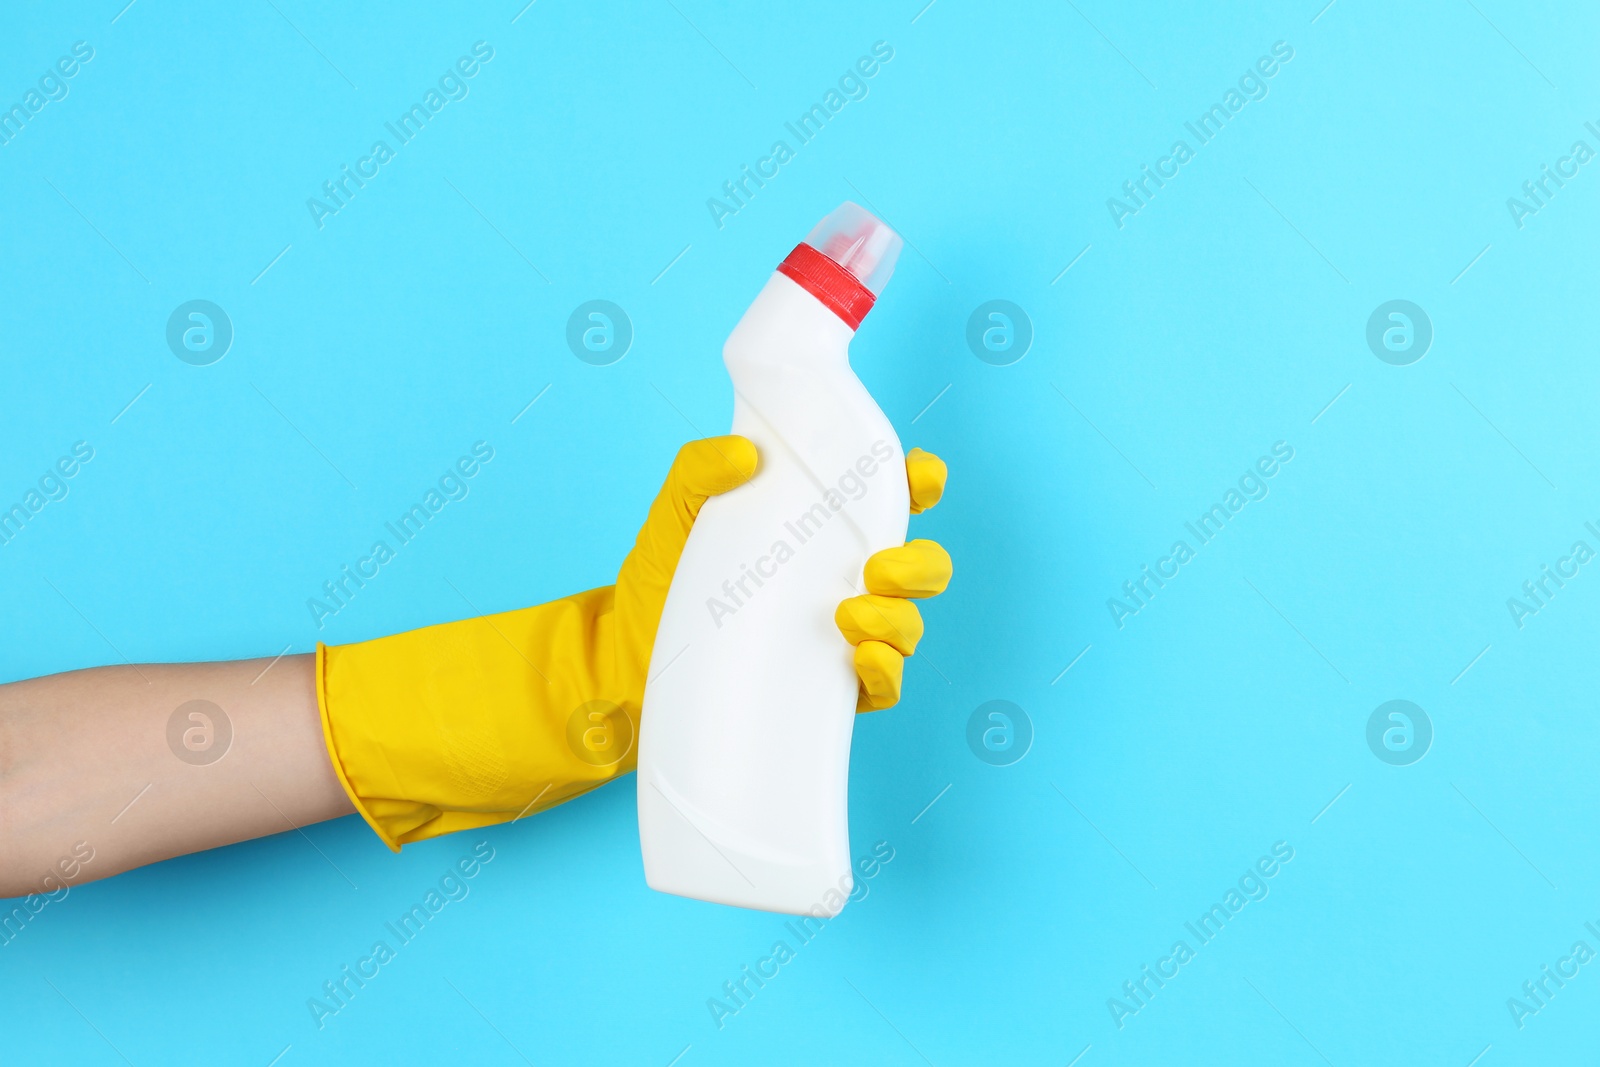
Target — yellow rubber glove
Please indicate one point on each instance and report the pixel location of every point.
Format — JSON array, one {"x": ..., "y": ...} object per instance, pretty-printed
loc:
[
  {"x": 884, "y": 625},
  {"x": 485, "y": 720}
]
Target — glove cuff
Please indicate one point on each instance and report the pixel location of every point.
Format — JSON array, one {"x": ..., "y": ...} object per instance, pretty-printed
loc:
[
  {"x": 476, "y": 722},
  {"x": 350, "y": 791}
]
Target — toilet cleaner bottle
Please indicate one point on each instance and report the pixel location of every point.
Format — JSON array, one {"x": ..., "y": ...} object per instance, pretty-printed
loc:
[{"x": 744, "y": 748}]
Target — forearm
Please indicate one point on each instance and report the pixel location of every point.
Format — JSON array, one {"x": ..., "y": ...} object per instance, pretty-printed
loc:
[{"x": 85, "y": 757}]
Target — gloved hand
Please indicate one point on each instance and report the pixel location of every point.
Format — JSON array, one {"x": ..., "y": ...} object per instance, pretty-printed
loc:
[{"x": 485, "y": 720}]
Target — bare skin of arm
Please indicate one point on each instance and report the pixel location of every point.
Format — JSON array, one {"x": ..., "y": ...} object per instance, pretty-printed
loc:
[{"x": 85, "y": 758}]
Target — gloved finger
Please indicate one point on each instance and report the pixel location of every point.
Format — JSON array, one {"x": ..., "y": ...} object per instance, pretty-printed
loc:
[
  {"x": 915, "y": 569},
  {"x": 702, "y": 469},
  {"x": 926, "y": 475},
  {"x": 880, "y": 669},
  {"x": 892, "y": 620}
]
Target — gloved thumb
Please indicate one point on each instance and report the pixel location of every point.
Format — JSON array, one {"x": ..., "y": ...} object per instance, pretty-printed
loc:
[{"x": 702, "y": 469}]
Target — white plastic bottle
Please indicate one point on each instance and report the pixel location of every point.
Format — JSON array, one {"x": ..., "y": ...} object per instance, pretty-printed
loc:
[{"x": 744, "y": 752}]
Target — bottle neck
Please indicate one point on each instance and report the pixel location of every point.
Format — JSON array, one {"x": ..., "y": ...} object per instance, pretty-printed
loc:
[{"x": 786, "y": 326}]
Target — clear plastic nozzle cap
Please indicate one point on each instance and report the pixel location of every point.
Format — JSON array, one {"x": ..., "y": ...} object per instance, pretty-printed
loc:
[{"x": 860, "y": 242}]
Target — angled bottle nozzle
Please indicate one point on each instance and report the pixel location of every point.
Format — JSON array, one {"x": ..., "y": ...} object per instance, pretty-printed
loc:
[
  {"x": 845, "y": 261},
  {"x": 860, "y": 242}
]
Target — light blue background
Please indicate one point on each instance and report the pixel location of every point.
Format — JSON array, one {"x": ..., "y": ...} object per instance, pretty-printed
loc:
[{"x": 1223, "y": 317}]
